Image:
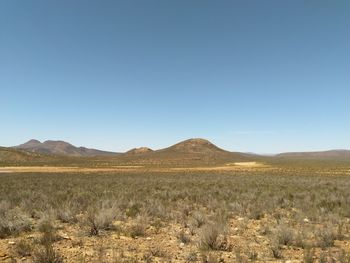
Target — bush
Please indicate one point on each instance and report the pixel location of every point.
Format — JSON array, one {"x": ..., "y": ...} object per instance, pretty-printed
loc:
[
  {"x": 199, "y": 219},
  {"x": 47, "y": 255},
  {"x": 183, "y": 237},
  {"x": 133, "y": 210},
  {"x": 326, "y": 237},
  {"x": 100, "y": 220},
  {"x": 309, "y": 255},
  {"x": 285, "y": 235},
  {"x": 212, "y": 238},
  {"x": 276, "y": 251},
  {"x": 24, "y": 248},
  {"x": 66, "y": 214},
  {"x": 48, "y": 231},
  {"x": 137, "y": 230},
  {"x": 13, "y": 222}
]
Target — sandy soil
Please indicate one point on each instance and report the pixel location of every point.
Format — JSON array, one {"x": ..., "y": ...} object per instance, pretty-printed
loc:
[{"x": 64, "y": 169}]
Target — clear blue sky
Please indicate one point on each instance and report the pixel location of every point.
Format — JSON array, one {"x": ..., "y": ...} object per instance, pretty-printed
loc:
[{"x": 258, "y": 76}]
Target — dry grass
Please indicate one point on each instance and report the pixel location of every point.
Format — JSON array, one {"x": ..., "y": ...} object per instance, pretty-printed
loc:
[{"x": 265, "y": 215}]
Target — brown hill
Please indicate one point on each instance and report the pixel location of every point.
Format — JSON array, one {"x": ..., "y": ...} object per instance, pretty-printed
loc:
[
  {"x": 60, "y": 148},
  {"x": 11, "y": 156},
  {"x": 187, "y": 153}
]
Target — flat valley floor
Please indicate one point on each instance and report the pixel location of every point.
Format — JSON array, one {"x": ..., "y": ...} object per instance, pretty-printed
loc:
[{"x": 210, "y": 214}]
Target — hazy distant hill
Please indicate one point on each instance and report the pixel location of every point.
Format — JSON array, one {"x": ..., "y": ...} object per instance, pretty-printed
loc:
[
  {"x": 60, "y": 148},
  {"x": 189, "y": 152},
  {"x": 332, "y": 154}
]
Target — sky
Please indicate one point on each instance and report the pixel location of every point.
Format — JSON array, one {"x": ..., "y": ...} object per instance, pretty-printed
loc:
[{"x": 249, "y": 75}]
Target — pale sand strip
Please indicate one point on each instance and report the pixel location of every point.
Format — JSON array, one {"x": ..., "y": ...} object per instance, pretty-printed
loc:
[
  {"x": 61, "y": 169},
  {"x": 64, "y": 169}
]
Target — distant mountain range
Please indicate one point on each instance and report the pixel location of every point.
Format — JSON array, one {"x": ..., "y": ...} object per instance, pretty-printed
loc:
[
  {"x": 332, "y": 154},
  {"x": 186, "y": 153},
  {"x": 60, "y": 148}
]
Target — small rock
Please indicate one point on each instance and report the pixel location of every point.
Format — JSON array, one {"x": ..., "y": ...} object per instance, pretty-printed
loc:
[
  {"x": 64, "y": 236},
  {"x": 182, "y": 244},
  {"x": 235, "y": 229},
  {"x": 88, "y": 253},
  {"x": 288, "y": 261},
  {"x": 148, "y": 238},
  {"x": 240, "y": 218},
  {"x": 3, "y": 254},
  {"x": 24, "y": 258},
  {"x": 306, "y": 220},
  {"x": 12, "y": 242}
]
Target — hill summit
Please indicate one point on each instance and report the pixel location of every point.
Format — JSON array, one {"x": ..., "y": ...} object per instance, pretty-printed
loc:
[
  {"x": 190, "y": 152},
  {"x": 196, "y": 145},
  {"x": 140, "y": 150}
]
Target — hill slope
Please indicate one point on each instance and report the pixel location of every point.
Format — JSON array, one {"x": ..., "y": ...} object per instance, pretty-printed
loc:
[
  {"x": 60, "y": 148},
  {"x": 11, "y": 156},
  {"x": 186, "y": 153}
]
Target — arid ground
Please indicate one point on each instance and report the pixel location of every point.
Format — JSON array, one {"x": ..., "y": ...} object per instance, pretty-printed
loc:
[{"x": 233, "y": 213}]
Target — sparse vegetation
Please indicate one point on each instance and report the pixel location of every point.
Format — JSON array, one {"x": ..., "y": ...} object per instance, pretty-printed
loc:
[
  {"x": 24, "y": 248},
  {"x": 264, "y": 214},
  {"x": 13, "y": 221}
]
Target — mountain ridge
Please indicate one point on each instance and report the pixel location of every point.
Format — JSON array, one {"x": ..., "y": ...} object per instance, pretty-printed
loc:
[
  {"x": 59, "y": 147},
  {"x": 195, "y": 151},
  {"x": 328, "y": 154}
]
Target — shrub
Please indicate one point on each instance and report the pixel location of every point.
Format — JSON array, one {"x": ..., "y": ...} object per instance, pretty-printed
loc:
[
  {"x": 276, "y": 251},
  {"x": 137, "y": 230},
  {"x": 14, "y": 222},
  {"x": 212, "y": 238},
  {"x": 285, "y": 235},
  {"x": 326, "y": 237},
  {"x": 133, "y": 210},
  {"x": 48, "y": 231},
  {"x": 66, "y": 214},
  {"x": 4, "y": 207},
  {"x": 24, "y": 248},
  {"x": 199, "y": 219},
  {"x": 47, "y": 255},
  {"x": 156, "y": 251},
  {"x": 309, "y": 255},
  {"x": 300, "y": 240},
  {"x": 100, "y": 220},
  {"x": 183, "y": 237}
]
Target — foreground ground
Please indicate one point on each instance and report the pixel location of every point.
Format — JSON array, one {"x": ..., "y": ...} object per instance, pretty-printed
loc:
[{"x": 192, "y": 215}]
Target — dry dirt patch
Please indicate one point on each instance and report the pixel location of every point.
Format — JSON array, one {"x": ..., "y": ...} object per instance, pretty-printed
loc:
[{"x": 56, "y": 169}]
